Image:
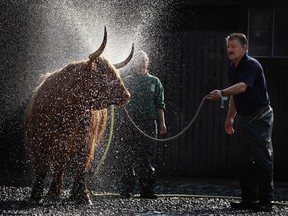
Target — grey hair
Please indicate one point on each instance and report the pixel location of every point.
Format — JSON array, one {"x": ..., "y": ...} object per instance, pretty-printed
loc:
[
  {"x": 239, "y": 37},
  {"x": 141, "y": 55}
]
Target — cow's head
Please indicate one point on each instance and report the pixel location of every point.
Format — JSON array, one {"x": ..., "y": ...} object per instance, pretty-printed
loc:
[{"x": 110, "y": 88}]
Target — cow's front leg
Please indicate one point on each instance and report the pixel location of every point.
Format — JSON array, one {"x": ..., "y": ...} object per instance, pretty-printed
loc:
[{"x": 38, "y": 187}]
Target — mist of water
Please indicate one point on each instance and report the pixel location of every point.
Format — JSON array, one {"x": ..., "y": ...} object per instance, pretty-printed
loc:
[
  {"x": 51, "y": 34},
  {"x": 56, "y": 32}
]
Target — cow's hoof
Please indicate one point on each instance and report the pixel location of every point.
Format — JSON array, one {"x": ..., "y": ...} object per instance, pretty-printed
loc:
[
  {"x": 53, "y": 196},
  {"x": 89, "y": 202},
  {"x": 36, "y": 201},
  {"x": 82, "y": 199},
  {"x": 83, "y": 202}
]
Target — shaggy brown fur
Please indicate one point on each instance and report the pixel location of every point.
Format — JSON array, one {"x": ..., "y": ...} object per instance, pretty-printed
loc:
[{"x": 66, "y": 118}]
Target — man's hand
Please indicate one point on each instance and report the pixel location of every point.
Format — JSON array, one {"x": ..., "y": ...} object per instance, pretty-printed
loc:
[
  {"x": 229, "y": 126},
  {"x": 214, "y": 95}
]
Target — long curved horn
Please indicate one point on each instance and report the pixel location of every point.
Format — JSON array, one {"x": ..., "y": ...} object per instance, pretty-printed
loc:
[
  {"x": 99, "y": 51},
  {"x": 122, "y": 64}
]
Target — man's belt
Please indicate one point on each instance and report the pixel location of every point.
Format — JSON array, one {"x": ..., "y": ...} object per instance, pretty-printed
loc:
[{"x": 261, "y": 113}]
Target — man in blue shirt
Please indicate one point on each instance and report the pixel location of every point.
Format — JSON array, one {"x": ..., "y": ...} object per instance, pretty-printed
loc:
[{"x": 249, "y": 99}]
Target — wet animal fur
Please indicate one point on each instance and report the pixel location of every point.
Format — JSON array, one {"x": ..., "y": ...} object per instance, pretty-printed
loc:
[{"x": 66, "y": 118}]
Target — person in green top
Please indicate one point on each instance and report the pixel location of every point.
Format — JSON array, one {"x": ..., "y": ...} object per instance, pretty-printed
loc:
[{"x": 146, "y": 107}]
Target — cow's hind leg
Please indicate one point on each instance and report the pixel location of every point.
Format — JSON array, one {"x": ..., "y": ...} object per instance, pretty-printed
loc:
[
  {"x": 79, "y": 192},
  {"x": 56, "y": 187},
  {"x": 38, "y": 187}
]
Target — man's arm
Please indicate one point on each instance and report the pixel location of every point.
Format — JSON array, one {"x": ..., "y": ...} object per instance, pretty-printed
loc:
[
  {"x": 229, "y": 123},
  {"x": 162, "y": 125}
]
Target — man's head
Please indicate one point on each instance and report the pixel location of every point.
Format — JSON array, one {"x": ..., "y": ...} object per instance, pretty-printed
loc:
[
  {"x": 237, "y": 46},
  {"x": 140, "y": 62}
]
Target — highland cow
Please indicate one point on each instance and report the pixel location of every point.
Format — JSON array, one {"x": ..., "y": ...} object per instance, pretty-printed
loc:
[{"x": 66, "y": 118}]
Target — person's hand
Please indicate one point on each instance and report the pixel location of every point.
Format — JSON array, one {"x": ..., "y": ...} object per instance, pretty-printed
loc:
[
  {"x": 214, "y": 95},
  {"x": 229, "y": 126},
  {"x": 162, "y": 129}
]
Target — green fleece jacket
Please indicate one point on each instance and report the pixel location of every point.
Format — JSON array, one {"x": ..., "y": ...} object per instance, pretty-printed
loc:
[{"x": 147, "y": 96}]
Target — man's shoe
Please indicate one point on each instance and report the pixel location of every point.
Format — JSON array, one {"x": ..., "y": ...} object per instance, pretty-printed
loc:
[
  {"x": 125, "y": 195},
  {"x": 262, "y": 207},
  {"x": 148, "y": 196},
  {"x": 242, "y": 205}
]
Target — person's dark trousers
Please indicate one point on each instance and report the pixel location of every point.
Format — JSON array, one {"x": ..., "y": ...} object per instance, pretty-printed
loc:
[
  {"x": 139, "y": 158},
  {"x": 256, "y": 157}
]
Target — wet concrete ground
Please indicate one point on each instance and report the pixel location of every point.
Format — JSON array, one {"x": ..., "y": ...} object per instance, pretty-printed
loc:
[
  {"x": 191, "y": 196},
  {"x": 214, "y": 187}
]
